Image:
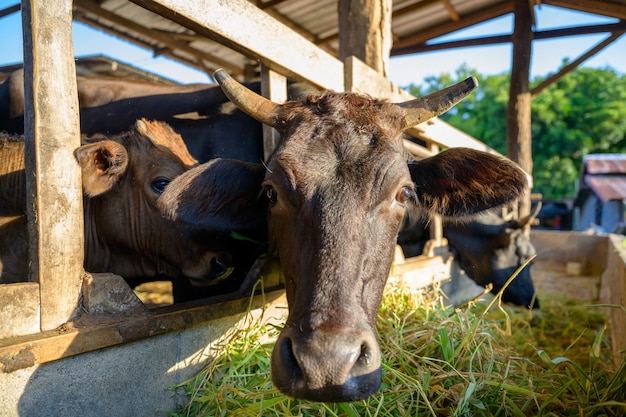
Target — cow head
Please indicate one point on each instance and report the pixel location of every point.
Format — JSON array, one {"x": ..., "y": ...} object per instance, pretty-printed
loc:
[
  {"x": 337, "y": 186},
  {"x": 491, "y": 249},
  {"x": 125, "y": 231}
]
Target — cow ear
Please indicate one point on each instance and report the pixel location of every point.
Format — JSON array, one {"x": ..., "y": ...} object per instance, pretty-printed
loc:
[
  {"x": 102, "y": 163},
  {"x": 221, "y": 195},
  {"x": 462, "y": 181}
]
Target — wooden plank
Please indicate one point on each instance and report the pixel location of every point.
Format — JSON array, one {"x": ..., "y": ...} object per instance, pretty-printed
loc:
[
  {"x": 52, "y": 175},
  {"x": 421, "y": 271},
  {"x": 73, "y": 339},
  {"x": 613, "y": 293},
  {"x": 245, "y": 28},
  {"x": 361, "y": 78},
  {"x": 19, "y": 309},
  {"x": 273, "y": 87},
  {"x": 171, "y": 42},
  {"x": 518, "y": 120},
  {"x": 365, "y": 32}
]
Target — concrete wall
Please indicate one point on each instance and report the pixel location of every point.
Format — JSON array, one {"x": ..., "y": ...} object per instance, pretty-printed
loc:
[{"x": 132, "y": 379}]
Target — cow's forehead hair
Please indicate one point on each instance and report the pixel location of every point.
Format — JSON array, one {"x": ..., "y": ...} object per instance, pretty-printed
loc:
[
  {"x": 369, "y": 114},
  {"x": 340, "y": 128},
  {"x": 340, "y": 138}
]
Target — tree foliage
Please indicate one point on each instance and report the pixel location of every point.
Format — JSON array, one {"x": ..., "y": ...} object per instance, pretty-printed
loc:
[{"x": 584, "y": 112}]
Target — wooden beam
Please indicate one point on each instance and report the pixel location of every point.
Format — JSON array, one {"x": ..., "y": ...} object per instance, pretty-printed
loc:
[
  {"x": 88, "y": 335},
  {"x": 450, "y": 9},
  {"x": 574, "y": 64},
  {"x": 499, "y": 39},
  {"x": 170, "y": 41},
  {"x": 243, "y": 27},
  {"x": 604, "y": 8},
  {"x": 273, "y": 87},
  {"x": 10, "y": 10},
  {"x": 365, "y": 32},
  {"x": 445, "y": 28},
  {"x": 51, "y": 133},
  {"x": 519, "y": 145}
]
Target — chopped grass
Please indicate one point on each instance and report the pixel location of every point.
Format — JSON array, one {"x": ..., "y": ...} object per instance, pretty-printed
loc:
[{"x": 477, "y": 360}]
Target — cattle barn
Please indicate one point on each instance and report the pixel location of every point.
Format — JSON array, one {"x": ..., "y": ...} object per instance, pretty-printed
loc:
[{"x": 85, "y": 338}]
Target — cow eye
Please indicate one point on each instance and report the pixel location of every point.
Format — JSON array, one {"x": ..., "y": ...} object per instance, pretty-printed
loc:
[
  {"x": 159, "y": 184},
  {"x": 403, "y": 195},
  {"x": 271, "y": 194}
]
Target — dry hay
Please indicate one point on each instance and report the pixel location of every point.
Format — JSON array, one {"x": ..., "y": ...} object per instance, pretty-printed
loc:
[{"x": 479, "y": 360}]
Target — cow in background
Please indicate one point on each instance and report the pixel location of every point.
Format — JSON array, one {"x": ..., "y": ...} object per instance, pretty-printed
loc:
[
  {"x": 488, "y": 248},
  {"x": 338, "y": 185},
  {"x": 125, "y": 232},
  {"x": 211, "y": 125}
]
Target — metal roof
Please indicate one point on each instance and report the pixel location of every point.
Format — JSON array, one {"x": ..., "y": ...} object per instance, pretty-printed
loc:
[
  {"x": 607, "y": 163},
  {"x": 607, "y": 188},
  {"x": 605, "y": 174},
  {"x": 415, "y": 24}
]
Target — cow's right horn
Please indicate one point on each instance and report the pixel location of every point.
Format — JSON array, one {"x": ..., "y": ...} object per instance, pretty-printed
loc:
[
  {"x": 424, "y": 108},
  {"x": 253, "y": 104}
]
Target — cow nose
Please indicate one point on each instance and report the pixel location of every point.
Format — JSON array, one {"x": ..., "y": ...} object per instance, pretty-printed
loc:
[
  {"x": 220, "y": 268},
  {"x": 330, "y": 365}
]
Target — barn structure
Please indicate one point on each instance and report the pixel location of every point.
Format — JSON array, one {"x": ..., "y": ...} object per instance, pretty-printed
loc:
[
  {"x": 601, "y": 193},
  {"x": 92, "y": 363}
]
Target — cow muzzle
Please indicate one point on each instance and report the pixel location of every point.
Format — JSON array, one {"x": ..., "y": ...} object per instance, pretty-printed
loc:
[{"x": 335, "y": 365}]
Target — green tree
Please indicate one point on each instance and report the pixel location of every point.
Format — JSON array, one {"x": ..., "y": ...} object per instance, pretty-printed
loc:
[{"x": 584, "y": 112}]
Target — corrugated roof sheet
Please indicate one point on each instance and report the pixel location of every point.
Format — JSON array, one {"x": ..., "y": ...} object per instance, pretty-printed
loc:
[
  {"x": 607, "y": 187},
  {"x": 415, "y": 24},
  {"x": 604, "y": 164}
]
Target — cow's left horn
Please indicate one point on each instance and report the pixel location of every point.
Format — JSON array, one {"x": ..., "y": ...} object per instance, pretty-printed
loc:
[
  {"x": 424, "y": 108},
  {"x": 253, "y": 104}
]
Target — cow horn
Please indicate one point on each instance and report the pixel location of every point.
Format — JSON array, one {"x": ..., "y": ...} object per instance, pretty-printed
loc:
[
  {"x": 253, "y": 104},
  {"x": 424, "y": 108},
  {"x": 531, "y": 217}
]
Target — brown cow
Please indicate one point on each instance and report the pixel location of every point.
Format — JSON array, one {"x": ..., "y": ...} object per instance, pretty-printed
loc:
[
  {"x": 338, "y": 185},
  {"x": 125, "y": 233}
]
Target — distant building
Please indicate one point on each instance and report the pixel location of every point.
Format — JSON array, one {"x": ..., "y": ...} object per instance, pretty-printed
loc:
[{"x": 601, "y": 198}]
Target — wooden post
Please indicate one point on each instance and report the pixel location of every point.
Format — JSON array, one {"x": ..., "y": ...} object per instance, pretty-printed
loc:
[
  {"x": 273, "y": 87},
  {"x": 518, "y": 115},
  {"x": 51, "y": 130},
  {"x": 365, "y": 32}
]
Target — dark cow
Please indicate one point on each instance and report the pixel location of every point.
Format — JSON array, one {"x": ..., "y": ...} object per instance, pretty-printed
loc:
[
  {"x": 200, "y": 113},
  {"x": 338, "y": 184},
  {"x": 488, "y": 248},
  {"x": 125, "y": 232}
]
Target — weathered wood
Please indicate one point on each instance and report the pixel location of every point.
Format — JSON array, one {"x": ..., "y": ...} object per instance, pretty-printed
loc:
[
  {"x": 245, "y": 28},
  {"x": 54, "y": 197},
  {"x": 362, "y": 78},
  {"x": 365, "y": 32},
  {"x": 574, "y": 64},
  {"x": 518, "y": 119},
  {"x": 73, "y": 339},
  {"x": 273, "y": 87},
  {"x": 613, "y": 293},
  {"x": 421, "y": 271},
  {"x": 19, "y": 309}
]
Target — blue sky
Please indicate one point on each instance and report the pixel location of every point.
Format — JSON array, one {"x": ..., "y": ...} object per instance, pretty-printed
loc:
[{"x": 548, "y": 55}]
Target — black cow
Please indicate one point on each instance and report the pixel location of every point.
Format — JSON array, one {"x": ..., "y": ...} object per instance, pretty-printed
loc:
[
  {"x": 488, "y": 248},
  {"x": 211, "y": 126},
  {"x": 338, "y": 185}
]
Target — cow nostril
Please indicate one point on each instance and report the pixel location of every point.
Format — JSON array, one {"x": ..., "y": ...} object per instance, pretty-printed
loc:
[
  {"x": 327, "y": 366},
  {"x": 220, "y": 269},
  {"x": 218, "y": 266},
  {"x": 365, "y": 357}
]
